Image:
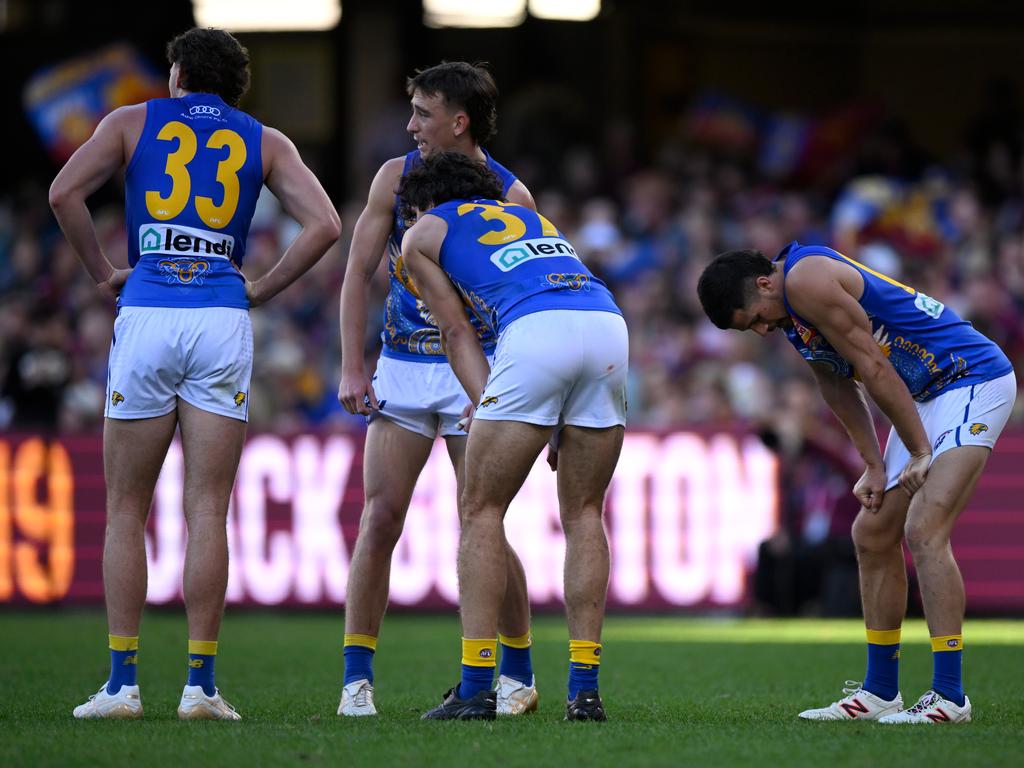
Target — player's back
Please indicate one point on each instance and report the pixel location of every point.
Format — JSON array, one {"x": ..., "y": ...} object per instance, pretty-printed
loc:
[
  {"x": 509, "y": 261},
  {"x": 931, "y": 347},
  {"x": 192, "y": 186}
]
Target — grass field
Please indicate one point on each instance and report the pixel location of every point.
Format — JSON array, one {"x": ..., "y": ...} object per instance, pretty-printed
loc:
[{"x": 678, "y": 691}]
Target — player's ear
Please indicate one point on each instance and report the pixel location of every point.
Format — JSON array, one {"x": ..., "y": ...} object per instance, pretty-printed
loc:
[{"x": 460, "y": 123}]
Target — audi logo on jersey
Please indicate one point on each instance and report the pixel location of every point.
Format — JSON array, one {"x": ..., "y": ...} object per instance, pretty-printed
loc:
[{"x": 204, "y": 109}]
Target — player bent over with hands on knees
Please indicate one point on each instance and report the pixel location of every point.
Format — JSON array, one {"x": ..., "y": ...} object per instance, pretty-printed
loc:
[
  {"x": 414, "y": 395},
  {"x": 181, "y": 356},
  {"x": 948, "y": 392},
  {"x": 561, "y": 361}
]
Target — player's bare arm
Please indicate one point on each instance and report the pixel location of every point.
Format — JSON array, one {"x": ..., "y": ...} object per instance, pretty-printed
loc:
[
  {"x": 369, "y": 239},
  {"x": 520, "y": 195},
  {"x": 92, "y": 165},
  {"x": 825, "y": 293},
  {"x": 846, "y": 399},
  {"x": 419, "y": 248},
  {"x": 304, "y": 199}
]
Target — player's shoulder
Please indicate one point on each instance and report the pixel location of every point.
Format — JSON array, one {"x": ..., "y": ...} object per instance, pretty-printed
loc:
[
  {"x": 129, "y": 116},
  {"x": 384, "y": 184},
  {"x": 427, "y": 234},
  {"x": 815, "y": 270}
]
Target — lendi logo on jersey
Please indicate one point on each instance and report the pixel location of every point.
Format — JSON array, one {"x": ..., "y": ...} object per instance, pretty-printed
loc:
[
  {"x": 511, "y": 256},
  {"x": 929, "y": 306},
  {"x": 175, "y": 240},
  {"x": 204, "y": 109}
]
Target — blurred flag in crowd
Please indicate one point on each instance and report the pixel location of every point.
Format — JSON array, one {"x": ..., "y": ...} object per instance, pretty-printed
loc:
[{"x": 66, "y": 101}]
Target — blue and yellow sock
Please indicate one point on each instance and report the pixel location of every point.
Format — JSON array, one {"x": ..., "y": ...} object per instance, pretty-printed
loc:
[
  {"x": 202, "y": 655},
  {"x": 478, "y": 664},
  {"x": 515, "y": 658},
  {"x": 883, "y": 676},
  {"x": 124, "y": 659},
  {"x": 584, "y": 664},
  {"x": 947, "y": 677},
  {"x": 359, "y": 650}
]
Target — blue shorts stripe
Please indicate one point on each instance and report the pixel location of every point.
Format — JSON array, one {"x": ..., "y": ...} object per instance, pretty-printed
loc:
[{"x": 958, "y": 436}]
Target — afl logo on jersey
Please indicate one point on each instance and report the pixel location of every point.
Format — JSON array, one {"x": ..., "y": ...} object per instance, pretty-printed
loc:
[{"x": 200, "y": 110}]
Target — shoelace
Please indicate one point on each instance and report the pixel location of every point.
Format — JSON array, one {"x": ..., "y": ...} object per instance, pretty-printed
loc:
[
  {"x": 360, "y": 697},
  {"x": 852, "y": 687},
  {"x": 225, "y": 702},
  {"x": 923, "y": 703}
]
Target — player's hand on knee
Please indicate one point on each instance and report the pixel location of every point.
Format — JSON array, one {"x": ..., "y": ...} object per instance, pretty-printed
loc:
[
  {"x": 870, "y": 489},
  {"x": 356, "y": 395},
  {"x": 914, "y": 473}
]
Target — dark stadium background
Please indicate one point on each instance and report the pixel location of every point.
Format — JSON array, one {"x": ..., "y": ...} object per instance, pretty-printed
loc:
[{"x": 654, "y": 136}]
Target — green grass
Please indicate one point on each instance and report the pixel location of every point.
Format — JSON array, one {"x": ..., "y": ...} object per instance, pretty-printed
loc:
[{"x": 678, "y": 691}]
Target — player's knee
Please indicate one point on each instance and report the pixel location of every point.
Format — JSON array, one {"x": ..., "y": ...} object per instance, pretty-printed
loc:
[
  {"x": 574, "y": 514},
  {"x": 924, "y": 537},
  {"x": 871, "y": 535},
  {"x": 381, "y": 524}
]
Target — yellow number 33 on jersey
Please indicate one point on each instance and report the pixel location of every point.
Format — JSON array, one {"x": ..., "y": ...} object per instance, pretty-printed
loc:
[{"x": 216, "y": 216}]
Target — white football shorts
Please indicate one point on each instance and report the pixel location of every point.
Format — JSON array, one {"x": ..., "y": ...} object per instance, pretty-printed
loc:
[
  {"x": 425, "y": 398},
  {"x": 559, "y": 367},
  {"x": 973, "y": 415},
  {"x": 201, "y": 354}
]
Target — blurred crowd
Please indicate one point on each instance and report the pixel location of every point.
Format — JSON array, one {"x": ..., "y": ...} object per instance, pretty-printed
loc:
[{"x": 952, "y": 227}]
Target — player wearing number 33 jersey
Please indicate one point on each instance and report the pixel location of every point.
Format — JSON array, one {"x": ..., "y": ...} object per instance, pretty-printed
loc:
[
  {"x": 192, "y": 186},
  {"x": 181, "y": 354}
]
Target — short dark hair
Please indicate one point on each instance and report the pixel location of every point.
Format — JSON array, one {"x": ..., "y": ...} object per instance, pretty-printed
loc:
[
  {"x": 445, "y": 176},
  {"x": 211, "y": 61},
  {"x": 466, "y": 86},
  {"x": 726, "y": 284}
]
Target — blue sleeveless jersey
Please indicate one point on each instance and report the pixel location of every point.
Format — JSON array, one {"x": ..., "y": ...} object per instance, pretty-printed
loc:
[
  {"x": 409, "y": 331},
  {"x": 932, "y": 349},
  {"x": 508, "y": 261},
  {"x": 192, "y": 186}
]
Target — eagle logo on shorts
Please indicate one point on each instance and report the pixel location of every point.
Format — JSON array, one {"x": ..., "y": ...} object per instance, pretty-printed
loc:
[
  {"x": 239, "y": 398},
  {"x": 488, "y": 401},
  {"x": 116, "y": 398},
  {"x": 977, "y": 428}
]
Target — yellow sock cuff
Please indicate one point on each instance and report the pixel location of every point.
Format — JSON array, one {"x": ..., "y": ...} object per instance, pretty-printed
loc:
[
  {"x": 948, "y": 643},
  {"x": 479, "y": 653},
  {"x": 523, "y": 641},
  {"x": 203, "y": 647},
  {"x": 884, "y": 636},
  {"x": 584, "y": 652},
  {"x": 366, "y": 641},
  {"x": 119, "y": 643}
]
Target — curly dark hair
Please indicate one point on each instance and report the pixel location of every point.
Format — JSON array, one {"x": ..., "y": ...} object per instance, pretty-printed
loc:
[
  {"x": 211, "y": 61},
  {"x": 727, "y": 283},
  {"x": 464, "y": 86},
  {"x": 445, "y": 176}
]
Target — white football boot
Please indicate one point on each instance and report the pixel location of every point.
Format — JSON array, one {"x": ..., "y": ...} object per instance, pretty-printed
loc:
[
  {"x": 196, "y": 705},
  {"x": 857, "y": 704},
  {"x": 357, "y": 699},
  {"x": 932, "y": 709},
  {"x": 516, "y": 698},
  {"x": 126, "y": 704}
]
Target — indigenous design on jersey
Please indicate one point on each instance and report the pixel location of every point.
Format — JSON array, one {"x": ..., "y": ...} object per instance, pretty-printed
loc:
[
  {"x": 931, "y": 348},
  {"x": 508, "y": 261},
  {"x": 192, "y": 186},
  {"x": 410, "y": 332}
]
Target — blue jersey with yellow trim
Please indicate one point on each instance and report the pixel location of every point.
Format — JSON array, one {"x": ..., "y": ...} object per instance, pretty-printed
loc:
[
  {"x": 932, "y": 349},
  {"x": 409, "y": 331},
  {"x": 508, "y": 261},
  {"x": 191, "y": 189}
]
